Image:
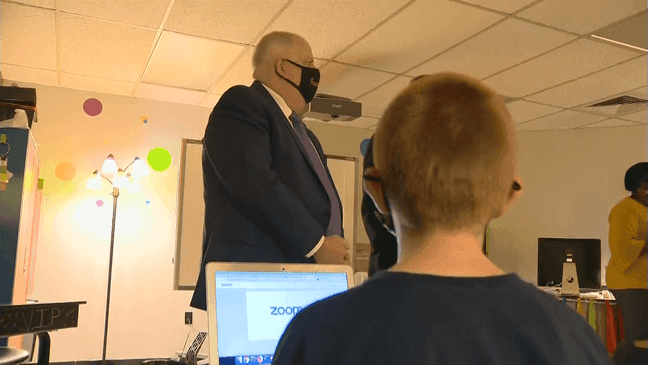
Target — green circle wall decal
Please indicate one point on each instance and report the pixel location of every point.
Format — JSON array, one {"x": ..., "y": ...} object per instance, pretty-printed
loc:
[{"x": 159, "y": 159}]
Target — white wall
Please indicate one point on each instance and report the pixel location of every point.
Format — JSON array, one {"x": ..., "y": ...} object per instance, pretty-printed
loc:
[{"x": 572, "y": 180}]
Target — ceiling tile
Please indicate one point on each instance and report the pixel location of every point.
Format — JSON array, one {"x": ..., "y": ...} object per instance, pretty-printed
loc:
[
  {"x": 195, "y": 67},
  {"x": 350, "y": 81},
  {"x": 232, "y": 20},
  {"x": 339, "y": 23},
  {"x": 239, "y": 74},
  {"x": 103, "y": 49},
  {"x": 135, "y": 12},
  {"x": 641, "y": 117},
  {"x": 35, "y": 44},
  {"x": 50, "y": 4},
  {"x": 419, "y": 32},
  {"x": 631, "y": 32},
  {"x": 505, "y": 45},
  {"x": 507, "y": 6},
  {"x": 79, "y": 82},
  {"x": 30, "y": 75},
  {"x": 617, "y": 79},
  {"x": 564, "y": 64},
  {"x": 563, "y": 120},
  {"x": 582, "y": 16},
  {"x": 522, "y": 110},
  {"x": 375, "y": 102},
  {"x": 170, "y": 94},
  {"x": 642, "y": 91},
  {"x": 210, "y": 100},
  {"x": 612, "y": 122},
  {"x": 361, "y": 122}
]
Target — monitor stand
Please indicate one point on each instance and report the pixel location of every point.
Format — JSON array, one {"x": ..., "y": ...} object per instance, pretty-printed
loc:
[{"x": 570, "y": 280}]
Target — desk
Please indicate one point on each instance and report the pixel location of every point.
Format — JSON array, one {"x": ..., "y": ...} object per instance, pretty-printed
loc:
[{"x": 595, "y": 312}]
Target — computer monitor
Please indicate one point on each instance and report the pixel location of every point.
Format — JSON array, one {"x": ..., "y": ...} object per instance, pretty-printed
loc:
[{"x": 586, "y": 252}]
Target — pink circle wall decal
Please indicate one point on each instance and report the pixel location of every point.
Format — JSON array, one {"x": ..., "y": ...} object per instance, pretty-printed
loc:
[
  {"x": 65, "y": 171},
  {"x": 99, "y": 203},
  {"x": 92, "y": 107}
]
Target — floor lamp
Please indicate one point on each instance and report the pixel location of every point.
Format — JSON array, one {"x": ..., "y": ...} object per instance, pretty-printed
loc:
[{"x": 120, "y": 180}]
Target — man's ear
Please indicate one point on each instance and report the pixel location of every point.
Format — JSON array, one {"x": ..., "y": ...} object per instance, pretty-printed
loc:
[
  {"x": 375, "y": 191},
  {"x": 514, "y": 195},
  {"x": 279, "y": 67}
]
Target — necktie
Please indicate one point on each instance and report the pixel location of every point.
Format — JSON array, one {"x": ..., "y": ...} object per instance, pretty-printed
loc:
[{"x": 335, "y": 224}]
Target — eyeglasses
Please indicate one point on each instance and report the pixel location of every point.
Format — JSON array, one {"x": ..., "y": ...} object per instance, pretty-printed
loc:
[{"x": 516, "y": 186}]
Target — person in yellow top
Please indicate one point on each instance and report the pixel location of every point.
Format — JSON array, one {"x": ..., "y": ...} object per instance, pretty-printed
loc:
[
  {"x": 626, "y": 274},
  {"x": 627, "y": 239}
]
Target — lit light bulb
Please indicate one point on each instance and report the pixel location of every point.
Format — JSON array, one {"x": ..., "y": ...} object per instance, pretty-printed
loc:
[
  {"x": 140, "y": 168},
  {"x": 95, "y": 182},
  {"x": 121, "y": 180},
  {"x": 110, "y": 165},
  {"x": 134, "y": 184}
]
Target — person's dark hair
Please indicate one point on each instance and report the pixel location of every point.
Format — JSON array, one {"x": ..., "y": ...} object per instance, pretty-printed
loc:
[
  {"x": 446, "y": 149},
  {"x": 635, "y": 176}
]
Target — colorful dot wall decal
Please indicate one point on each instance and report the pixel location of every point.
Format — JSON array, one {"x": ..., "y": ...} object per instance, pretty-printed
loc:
[
  {"x": 65, "y": 171},
  {"x": 99, "y": 203},
  {"x": 148, "y": 202},
  {"x": 92, "y": 107},
  {"x": 159, "y": 159}
]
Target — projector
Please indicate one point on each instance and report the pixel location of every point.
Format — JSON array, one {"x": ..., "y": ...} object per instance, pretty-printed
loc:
[{"x": 327, "y": 108}]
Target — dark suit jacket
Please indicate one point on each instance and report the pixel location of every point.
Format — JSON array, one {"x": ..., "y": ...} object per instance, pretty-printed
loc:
[{"x": 263, "y": 199}]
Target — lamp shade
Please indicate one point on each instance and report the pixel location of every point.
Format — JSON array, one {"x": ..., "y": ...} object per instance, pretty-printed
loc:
[
  {"x": 140, "y": 168},
  {"x": 110, "y": 165},
  {"x": 133, "y": 184},
  {"x": 94, "y": 183},
  {"x": 121, "y": 180}
]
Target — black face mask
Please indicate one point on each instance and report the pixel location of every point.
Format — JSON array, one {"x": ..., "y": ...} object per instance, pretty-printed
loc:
[
  {"x": 309, "y": 81},
  {"x": 384, "y": 219}
]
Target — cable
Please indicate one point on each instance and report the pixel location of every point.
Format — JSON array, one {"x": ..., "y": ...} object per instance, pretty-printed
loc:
[{"x": 185, "y": 344}]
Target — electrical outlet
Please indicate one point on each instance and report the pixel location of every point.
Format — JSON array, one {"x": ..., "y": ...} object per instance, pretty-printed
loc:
[{"x": 188, "y": 318}]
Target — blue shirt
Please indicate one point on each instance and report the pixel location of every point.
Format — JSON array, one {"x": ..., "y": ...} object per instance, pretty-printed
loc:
[{"x": 402, "y": 318}]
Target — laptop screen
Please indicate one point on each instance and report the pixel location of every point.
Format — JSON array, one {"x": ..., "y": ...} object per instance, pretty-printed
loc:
[{"x": 254, "y": 308}]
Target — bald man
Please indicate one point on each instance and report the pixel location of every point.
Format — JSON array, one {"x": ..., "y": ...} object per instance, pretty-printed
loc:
[
  {"x": 445, "y": 157},
  {"x": 269, "y": 196}
]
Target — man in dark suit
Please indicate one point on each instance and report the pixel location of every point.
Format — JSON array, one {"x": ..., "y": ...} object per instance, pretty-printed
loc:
[
  {"x": 384, "y": 249},
  {"x": 269, "y": 196}
]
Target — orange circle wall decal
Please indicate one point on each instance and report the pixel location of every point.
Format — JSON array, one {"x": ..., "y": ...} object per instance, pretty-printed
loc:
[{"x": 65, "y": 171}]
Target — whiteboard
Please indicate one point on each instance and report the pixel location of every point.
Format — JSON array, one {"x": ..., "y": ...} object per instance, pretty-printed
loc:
[{"x": 191, "y": 210}]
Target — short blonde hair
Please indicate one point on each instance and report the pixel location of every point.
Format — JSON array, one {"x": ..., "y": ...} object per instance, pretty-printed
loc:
[{"x": 446, "y": 150}]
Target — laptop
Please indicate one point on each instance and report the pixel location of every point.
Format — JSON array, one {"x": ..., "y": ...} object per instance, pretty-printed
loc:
[{"x": 249, "y": 305}]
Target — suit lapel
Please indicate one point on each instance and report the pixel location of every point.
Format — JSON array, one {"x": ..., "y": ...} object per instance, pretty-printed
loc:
[{"x": 280, "y": 115}]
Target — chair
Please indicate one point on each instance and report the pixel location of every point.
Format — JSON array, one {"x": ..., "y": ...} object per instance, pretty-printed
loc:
[{"x": 11, "y": 356}]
